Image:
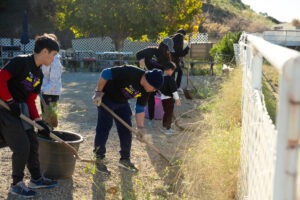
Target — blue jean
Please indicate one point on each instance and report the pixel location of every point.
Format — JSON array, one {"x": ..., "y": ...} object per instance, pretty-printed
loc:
[{"x": 104, "y": 124}]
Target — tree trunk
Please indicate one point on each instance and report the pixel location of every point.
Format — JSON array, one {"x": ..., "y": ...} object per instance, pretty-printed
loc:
[
  {"x": 119, "y": 47},
  {"x": 118, "y": 44}
]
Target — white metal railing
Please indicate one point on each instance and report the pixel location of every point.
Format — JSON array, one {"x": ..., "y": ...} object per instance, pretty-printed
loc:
[
  {"x": 283, "y": 37},
  {"x": 269, "y": 157}
]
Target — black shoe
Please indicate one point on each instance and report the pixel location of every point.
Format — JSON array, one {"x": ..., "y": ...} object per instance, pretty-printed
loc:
[
  {"x": 42, "y": 182},
  {"x": 21, "y": 190},
  {"x": 101, "y": 167},
  {"x": 125, "y": 163}
]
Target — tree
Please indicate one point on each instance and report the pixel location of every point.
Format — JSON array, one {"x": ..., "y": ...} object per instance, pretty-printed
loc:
[
  {"x": 295, "y": 22},
  {"x": 119, "y": 19}
]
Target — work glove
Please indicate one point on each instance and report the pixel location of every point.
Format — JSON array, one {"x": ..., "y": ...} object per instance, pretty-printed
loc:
[
  {"x": 14, "y": 108},
  {"x": 46, "y": 128},
  {"x": 97, "y": 98},
  {"x": 141, "y": 133}
]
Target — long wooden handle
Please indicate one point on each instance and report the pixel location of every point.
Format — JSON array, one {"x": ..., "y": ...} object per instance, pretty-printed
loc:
[
  {"x": 196, "y": 89},
  {"x": 52, "y": 135},
  {"x": 136, "y": 132}
]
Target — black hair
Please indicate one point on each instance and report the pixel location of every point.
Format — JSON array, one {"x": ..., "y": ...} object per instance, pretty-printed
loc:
[
  {"x": 47, "y": 42},
  {"x": 182, "y": 31},
  {"x": 169, "y": 65},
  {"x": 162, "y": 53}
]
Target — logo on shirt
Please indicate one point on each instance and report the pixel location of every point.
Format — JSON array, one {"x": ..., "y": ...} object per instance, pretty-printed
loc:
[
  {"x": 31, "y": 82},
  {"x": 129, "y": 92},
  {"x": 154, "y": 61}
]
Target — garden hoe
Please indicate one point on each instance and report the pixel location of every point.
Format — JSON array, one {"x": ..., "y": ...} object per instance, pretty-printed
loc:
[
  {"x": 52, "y": 135},
  {"x": 136, "y": 132}
]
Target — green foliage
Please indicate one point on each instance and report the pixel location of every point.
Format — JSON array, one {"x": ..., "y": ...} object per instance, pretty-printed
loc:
[
  {"x": 50, "y": 114},
  {"x": 205, "y": 91},
  {"x": 200, "y": 71},
  {"x": 121, "y": 19},
  {"x": 223, "y": 51},
  {"x": 205, "y": 108}
]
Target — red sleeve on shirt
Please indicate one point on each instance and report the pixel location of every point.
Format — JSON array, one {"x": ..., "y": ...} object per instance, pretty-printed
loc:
[
  {"x": 4, "y": 92},
  {"x": 32, "y": 107}
]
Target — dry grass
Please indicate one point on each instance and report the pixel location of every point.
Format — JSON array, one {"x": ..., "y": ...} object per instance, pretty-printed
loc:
[
  {"x": 270, "y": 88},
  {"x": 211, "y": 163},
  {"x": 271, "y": 73}
]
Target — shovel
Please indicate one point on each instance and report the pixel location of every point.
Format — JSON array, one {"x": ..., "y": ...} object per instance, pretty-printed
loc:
[
  {"x": 135, "y": 132},
  {"x": 52, "y": 135}
]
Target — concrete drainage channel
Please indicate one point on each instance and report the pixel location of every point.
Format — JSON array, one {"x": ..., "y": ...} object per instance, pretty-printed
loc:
[{"x": 56, "y": 161}]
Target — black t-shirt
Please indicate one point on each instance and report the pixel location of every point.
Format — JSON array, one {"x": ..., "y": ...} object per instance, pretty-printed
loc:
[
  {"x": 125, "y": 84},
  {"x": 150, "y": 55},
  {"x": 169, "y": 86},
  {"x": 26, "y": 77},
  {"x": 178, "y": 47}
]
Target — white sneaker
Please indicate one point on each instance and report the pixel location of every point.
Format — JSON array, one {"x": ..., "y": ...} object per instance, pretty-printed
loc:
[
  {"x": 180, "y": 90},
  {"x": 167, "y": 131},
  {"x": 151, "y": 123}
]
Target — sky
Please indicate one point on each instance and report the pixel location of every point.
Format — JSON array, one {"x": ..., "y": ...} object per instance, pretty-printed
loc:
[{"x": 283, "y": 10}]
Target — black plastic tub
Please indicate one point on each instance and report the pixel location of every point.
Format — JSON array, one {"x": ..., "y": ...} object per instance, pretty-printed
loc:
[{"x": 56, "y": 161}]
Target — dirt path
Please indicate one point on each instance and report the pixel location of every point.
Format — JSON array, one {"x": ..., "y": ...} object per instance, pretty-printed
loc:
[{"x": 79, "y": 115}]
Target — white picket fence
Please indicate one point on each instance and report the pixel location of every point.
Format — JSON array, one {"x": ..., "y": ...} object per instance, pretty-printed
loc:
[{"x": 269, "y": 155}]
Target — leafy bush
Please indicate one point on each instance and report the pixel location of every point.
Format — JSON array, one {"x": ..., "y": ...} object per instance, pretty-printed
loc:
[{"x": 223, "y": 51}]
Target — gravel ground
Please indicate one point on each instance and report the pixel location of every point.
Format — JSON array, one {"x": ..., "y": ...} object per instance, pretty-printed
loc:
[{"x": 79, "y": 115}]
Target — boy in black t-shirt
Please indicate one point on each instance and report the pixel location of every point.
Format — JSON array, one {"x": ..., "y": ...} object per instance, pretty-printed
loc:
[
  {"x": 20, "y": 83},
  {"x": 115, "y": 86},
  {"x": 169, "y": 93},
  {"x": 153, "y": 57},
  {"x": 177, "y": 56}
]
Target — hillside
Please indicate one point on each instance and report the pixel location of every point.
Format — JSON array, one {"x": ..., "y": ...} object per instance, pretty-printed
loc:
[{"x": 222, "y": 16}]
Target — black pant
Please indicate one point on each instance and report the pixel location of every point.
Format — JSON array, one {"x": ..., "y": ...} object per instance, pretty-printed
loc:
[
  {"x": 105, "y": 123},
  {"x": 151, "y": 105},
  {"x": 23, "y": 144},
  {"x": 49, "y": 99},
  {"x": 178, "y": 69},
  {"x": 168, "y": 105}
]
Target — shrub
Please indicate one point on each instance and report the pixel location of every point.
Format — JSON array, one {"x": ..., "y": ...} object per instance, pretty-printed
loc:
[{"x": 223, "y": 51}]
